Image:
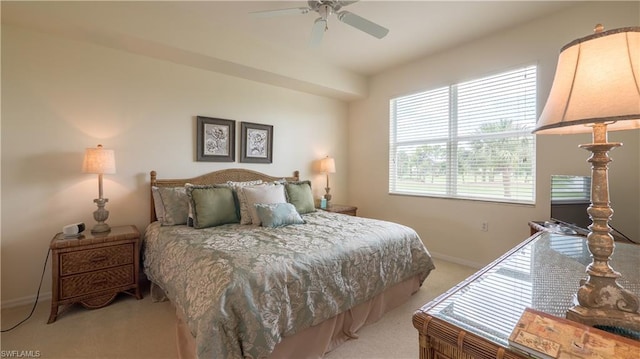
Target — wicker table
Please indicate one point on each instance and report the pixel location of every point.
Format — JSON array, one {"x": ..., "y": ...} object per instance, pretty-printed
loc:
[
  {"x": 475, "y": 318},
  {"x": 93, "y": 268}
]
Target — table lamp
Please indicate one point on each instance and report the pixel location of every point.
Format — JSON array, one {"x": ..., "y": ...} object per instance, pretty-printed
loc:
[
  {"x": 99, "y": 161},
  {"x": 597, "y": 89},
  {"x": 327, "y": 165}
]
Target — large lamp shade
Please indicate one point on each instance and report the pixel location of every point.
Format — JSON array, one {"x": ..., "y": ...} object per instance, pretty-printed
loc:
[
  {"x": 328, "y": 165},
  {"x": 597, "y": 80},
  {"x": 99, "y": 161}
]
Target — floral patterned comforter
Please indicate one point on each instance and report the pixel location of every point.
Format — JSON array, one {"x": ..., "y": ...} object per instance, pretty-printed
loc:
[{"x": 243, "y": 288}]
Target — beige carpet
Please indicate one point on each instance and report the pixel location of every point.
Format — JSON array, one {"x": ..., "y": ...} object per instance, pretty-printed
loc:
[{"x": 129, "y": 328}]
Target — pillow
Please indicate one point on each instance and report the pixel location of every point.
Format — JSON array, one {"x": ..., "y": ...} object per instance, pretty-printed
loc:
[
  {"x": 175, "y": 205},
  {"x": 187, "y": 185},
  {"x": 157, "y": 203},
  {"x": 278, "y": 214},
  {"x": 262, "y": 194},
  {"x": 300, "y": 196},
  {"x": 212, "y": 206},
  {"x": 190, "y": 215},
  {"x": 245, "y": 217}
]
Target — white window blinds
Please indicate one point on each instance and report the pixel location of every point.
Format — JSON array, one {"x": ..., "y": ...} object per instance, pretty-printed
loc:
[{"x": 469, "y": 140}]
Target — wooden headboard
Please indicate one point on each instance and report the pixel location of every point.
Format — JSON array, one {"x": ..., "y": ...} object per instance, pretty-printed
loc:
[{"x": 222, "y": 176}]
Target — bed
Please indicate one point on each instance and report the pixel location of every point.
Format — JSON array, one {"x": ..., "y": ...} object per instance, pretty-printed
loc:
[{"x": 260, "y": 290}]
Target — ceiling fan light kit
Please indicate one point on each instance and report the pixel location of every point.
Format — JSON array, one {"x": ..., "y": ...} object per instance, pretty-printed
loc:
[{"x": 326, "y": 8}]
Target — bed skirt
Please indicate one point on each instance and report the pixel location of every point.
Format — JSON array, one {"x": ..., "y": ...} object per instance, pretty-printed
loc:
[{"x": 320, "y": 339}]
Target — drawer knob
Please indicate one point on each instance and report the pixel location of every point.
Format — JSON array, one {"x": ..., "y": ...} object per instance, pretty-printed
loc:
[
  {"x": 97, "y": 259},
  {"x": 99, "y": 281}
]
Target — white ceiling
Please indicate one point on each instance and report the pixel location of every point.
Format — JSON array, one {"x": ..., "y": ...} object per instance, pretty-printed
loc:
[
  {"x": 417, "y": 28},
  {"x": 276, "y": 49}
]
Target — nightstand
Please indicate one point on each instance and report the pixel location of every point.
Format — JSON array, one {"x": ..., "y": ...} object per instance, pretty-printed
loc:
[
  {"x": 341, "y": 208},
  {"x": 93, "y": 268}
]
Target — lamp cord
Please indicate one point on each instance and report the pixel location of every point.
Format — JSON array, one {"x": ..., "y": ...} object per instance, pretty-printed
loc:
[
  {"x": 623, "y": 235},
  {"x": 37, "y": 297}
]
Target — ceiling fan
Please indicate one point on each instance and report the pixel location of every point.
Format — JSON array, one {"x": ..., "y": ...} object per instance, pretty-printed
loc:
[{"x": 325, "y": 8}]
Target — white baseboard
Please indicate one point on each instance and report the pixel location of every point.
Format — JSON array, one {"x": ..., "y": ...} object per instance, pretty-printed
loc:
[
  {"x": 25, "y": 300},
  {"x": 457, "y": 260}
]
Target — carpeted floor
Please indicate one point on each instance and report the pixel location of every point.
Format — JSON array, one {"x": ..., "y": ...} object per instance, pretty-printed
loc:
[{"x": 129, "y": 328}]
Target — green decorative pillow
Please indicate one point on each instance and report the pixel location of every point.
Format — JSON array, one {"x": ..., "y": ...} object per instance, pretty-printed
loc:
[
  {"x": 212, "y": 206},
  {"x": 300, "y": 195},
  {"x": 187, "y": 185},
  {"x": 176, "y": 205},
  {"x": 278, "y": 214}
]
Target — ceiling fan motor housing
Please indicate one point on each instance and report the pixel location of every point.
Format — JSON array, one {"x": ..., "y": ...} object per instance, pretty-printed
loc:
[{"x": 330, "y": 5}]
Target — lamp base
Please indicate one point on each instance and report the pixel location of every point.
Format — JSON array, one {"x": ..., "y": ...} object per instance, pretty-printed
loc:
[
  {"x": 100, "y": 215},
  {"x": 100, "y": 228},
  {"x": 327, "y": 195},
  {"x": 601, "y": 300},
  {"x": 604, "y": 317}
]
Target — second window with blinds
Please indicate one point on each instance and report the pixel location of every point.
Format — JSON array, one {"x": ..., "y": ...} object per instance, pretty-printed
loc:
[{"x": 470, "y": 140}]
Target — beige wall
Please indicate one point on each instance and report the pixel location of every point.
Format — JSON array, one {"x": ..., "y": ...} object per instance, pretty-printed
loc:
[
  {"x": 60, "y": 96},
  {"x": 451, "y": 228}
]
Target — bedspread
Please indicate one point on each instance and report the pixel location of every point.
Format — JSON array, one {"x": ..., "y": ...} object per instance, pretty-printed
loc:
[{"x": 243, "y": 288}]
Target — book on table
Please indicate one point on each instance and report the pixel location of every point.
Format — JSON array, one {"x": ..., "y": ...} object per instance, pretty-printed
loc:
[{"x": 548, "y": 337}]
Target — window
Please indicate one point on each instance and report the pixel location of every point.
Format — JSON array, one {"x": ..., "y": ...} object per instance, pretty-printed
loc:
[{"x": 469, "y": 140}]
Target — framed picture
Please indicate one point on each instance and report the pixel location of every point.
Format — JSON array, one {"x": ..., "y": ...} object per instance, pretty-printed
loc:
[
  {"x": 215, "y": 141},
  {"x": 256, "y": 142}
]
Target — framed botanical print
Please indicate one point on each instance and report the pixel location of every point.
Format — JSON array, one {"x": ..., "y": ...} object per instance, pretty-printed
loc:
[
  {"x": 256, "y": 142},
  {"x": 215, "y": 141}
]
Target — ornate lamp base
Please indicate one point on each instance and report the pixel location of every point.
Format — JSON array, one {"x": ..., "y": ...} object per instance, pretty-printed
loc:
[
  {"x": 600, "y": 299},
  {"x": 604, "y": 317},
  {"x": 327, "y": 195},
  {"x": 100, "y": 228},
  {"x": 100, "y": 215}
]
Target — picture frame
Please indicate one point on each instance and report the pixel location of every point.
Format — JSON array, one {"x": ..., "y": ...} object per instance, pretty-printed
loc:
[
  {"x": 256, "y": 143},
  {"x": 215, "y": 139}
]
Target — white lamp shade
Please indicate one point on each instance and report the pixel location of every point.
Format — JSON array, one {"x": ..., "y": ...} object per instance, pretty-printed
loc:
[
  {"x": 99, "y": 160},
  {"x": 597, "y": 80},
  {"x": 328, "y": 165}
]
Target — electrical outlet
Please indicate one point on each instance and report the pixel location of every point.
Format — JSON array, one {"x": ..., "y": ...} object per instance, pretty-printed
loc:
[{"x": 485, "y": 227}]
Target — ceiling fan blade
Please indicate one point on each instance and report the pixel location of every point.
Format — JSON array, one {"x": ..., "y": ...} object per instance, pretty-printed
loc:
[
  {"x": 317, "y": 31},
  {"x": 345, "y": 3},
  {"x": 363, "y": 24},
  {"x": 281, "y": 12}
]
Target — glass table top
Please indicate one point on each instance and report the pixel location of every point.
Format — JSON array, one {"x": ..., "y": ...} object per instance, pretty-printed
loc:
[{"x": 543, "y": 273}]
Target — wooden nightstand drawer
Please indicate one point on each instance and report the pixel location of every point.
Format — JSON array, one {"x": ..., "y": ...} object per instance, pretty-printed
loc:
[
  {"x": 83, "y": 261},
  {"x": 77, "y": 285}
]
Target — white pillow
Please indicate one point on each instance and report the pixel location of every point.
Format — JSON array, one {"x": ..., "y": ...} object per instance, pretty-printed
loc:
[
  {"x": 245, "y": 217},
  {"x": 262, "y": 195}
]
